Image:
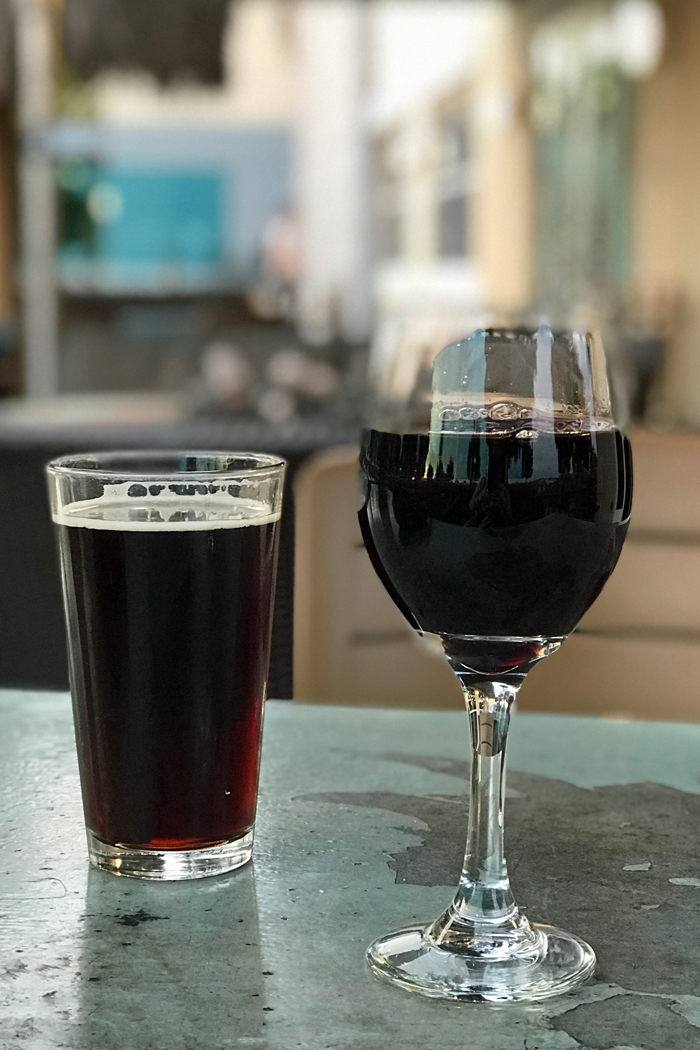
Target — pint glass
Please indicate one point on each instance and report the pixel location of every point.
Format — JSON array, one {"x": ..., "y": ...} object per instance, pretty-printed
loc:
[{"x": 168, "y": 562}]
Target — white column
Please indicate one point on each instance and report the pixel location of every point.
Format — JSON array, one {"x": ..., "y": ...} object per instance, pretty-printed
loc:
[
  {"x": 34, "y": 49},
  {"x": 505, "y": 199},
  {"x": 331, "y": 177}
]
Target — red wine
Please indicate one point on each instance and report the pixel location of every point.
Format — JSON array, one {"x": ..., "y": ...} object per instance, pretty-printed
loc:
[
  {"x": 495, "y": 536},
  {"x": 171, "y": 623}
]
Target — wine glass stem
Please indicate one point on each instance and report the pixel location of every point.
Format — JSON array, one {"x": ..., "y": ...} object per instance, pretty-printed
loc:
[{"x": 484, "y": 894}]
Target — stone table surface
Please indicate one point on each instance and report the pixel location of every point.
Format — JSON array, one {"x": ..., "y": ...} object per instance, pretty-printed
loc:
[{"x": 360, "y": 829}]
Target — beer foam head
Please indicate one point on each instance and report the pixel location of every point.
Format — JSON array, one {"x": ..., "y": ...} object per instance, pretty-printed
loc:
[{"x": 166, "y": 508}]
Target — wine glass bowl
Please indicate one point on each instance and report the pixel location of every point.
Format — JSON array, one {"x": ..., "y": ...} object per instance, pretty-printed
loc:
[{"x": 494, "y": 520}]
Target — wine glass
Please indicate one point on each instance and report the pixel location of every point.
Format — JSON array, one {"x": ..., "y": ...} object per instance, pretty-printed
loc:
[{"x": 496, "y": 502}]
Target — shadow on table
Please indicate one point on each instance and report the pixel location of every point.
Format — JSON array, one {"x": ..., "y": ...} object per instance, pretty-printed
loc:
[
  {"x": 616, "y": 865},
  {"x": 174, "y": 965}
]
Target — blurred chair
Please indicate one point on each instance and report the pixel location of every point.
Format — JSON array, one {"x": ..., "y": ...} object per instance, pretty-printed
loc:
[
  {"x": 637, "y": 651},
  {"x": 635, "y": 655},
  {"x": 351, "y": 644}
]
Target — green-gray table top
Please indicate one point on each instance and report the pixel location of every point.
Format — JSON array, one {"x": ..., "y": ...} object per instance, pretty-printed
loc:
[{"x": 360, "y": 829}]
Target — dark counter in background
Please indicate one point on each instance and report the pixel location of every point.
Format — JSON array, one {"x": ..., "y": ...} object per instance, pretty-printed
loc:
[{"x": 32, "y": 638}]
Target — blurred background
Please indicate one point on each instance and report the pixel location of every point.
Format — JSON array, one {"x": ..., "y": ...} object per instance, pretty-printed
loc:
[{"x": 218, "y": 217}]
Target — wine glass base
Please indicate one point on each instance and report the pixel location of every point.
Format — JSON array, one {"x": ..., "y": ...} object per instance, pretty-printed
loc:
[{"x": 554, "y": 964}]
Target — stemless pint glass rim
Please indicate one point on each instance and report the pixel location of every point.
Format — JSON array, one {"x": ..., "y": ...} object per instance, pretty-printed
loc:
[{"x": 124, "y": 464}]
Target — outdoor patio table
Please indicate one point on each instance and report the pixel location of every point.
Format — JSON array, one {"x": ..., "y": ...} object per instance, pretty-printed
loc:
[{"x": 360, "y": 830}]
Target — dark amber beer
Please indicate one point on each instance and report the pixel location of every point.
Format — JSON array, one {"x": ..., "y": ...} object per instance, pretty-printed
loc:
[{"x": 169, "y": 600}]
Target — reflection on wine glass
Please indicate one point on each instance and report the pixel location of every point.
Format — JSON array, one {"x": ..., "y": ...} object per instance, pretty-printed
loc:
[{"x": 494, "y": 512}]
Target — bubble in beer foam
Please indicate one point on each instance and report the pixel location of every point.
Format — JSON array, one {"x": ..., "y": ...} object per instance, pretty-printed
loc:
[{"x": 175, "y": 508}]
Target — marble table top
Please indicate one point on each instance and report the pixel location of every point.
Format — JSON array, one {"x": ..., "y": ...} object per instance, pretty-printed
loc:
[{"x": 360, "y": 829}]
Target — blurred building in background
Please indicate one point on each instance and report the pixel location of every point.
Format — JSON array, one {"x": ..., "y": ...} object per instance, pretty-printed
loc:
[
  {"x": 384, "y": 172},
  {"x": 453, "y": 177},
  {"x": 7, "y": 204},
  {"x": 506, "y": 184}
]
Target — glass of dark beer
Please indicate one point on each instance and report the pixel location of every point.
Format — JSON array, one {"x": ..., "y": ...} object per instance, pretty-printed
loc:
[
  {"x": 168, "y": 562},
  {"x": 497, "y": 496}
]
